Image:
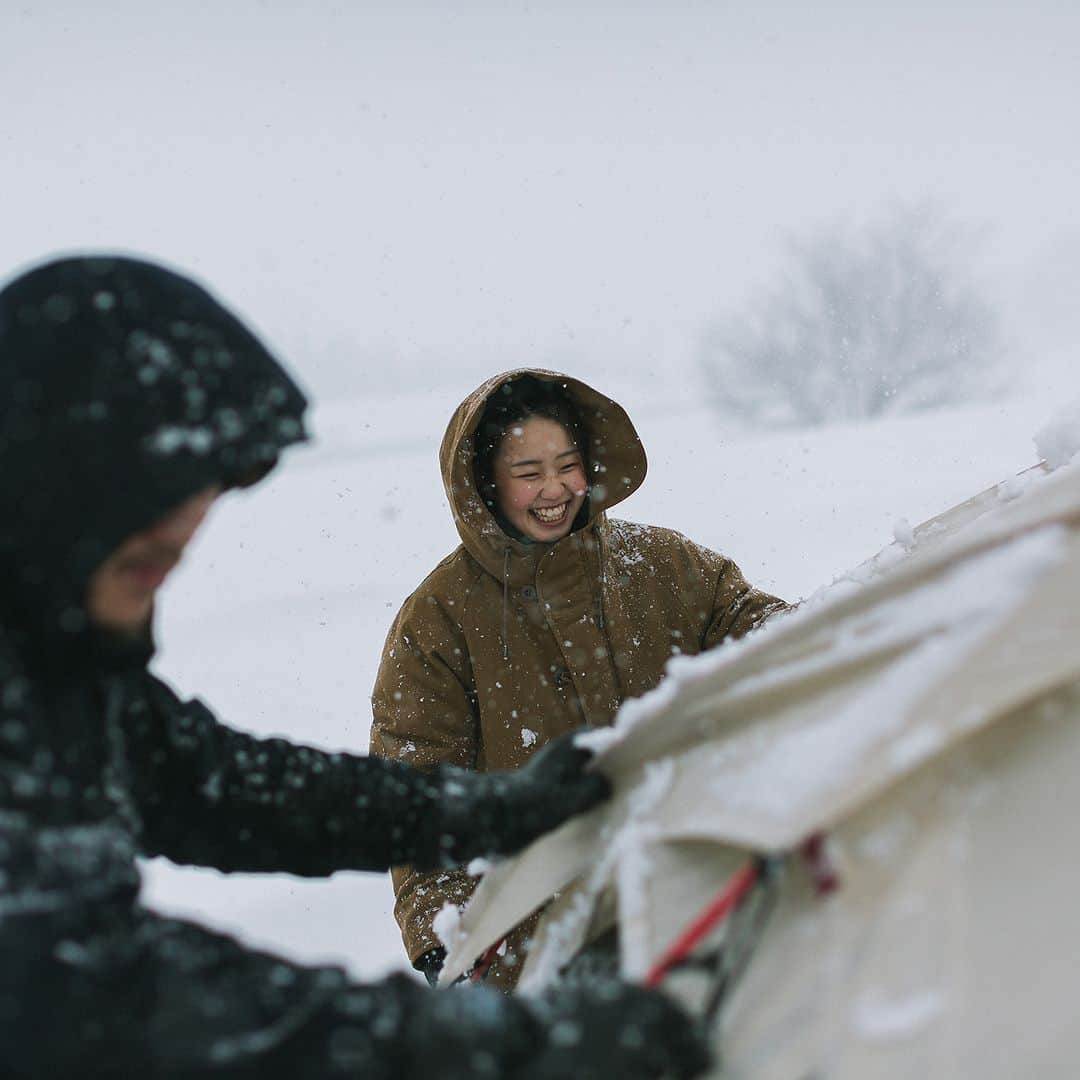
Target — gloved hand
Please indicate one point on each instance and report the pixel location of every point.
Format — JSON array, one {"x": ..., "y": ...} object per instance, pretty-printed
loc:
[
  {"x": 499, "y": 813},
  {"x": 600, "y": 1030},
  {"x": 595, "y": 1030},
  {"x": 430, "y": 964}
]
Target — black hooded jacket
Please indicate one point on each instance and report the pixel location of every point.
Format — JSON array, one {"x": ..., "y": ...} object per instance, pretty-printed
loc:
[{"x": 125, "y": 389}]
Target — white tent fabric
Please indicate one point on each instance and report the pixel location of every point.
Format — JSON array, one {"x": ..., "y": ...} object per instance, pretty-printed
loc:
[{"x": 923, "y": 715}]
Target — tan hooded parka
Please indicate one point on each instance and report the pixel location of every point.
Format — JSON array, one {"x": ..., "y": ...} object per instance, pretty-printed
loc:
[{"x": 508, "y": 644}]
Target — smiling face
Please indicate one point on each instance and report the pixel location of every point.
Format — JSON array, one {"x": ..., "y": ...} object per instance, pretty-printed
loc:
[
  {"x": 122, "y": 589},
  {"x": 539, "y": 479}
]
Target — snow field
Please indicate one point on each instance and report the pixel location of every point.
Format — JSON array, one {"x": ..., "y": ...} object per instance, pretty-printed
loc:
[{"x": 278, "y": 616}]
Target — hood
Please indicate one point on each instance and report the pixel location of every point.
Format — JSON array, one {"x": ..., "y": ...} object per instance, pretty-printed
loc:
[
  {"x": 124, "y": 389},
  {"x": 615, "y": 458}
]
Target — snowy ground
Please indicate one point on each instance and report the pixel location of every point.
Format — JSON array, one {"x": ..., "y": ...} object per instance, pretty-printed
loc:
[{"x": 278, "y": 617}]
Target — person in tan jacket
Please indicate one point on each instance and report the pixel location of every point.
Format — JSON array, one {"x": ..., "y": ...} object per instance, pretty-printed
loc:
[{"x": 548, "y": 615}]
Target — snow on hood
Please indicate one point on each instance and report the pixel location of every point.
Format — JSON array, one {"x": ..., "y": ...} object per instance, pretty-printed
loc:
[
  {"x": 124, "y": 389},
  {"x": 617, "y": 462}
]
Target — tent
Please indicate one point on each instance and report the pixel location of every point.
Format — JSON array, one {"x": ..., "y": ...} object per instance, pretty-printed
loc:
[{"x": 894, "y": 771}]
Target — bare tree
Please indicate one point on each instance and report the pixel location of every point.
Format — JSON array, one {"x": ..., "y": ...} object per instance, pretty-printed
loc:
[{"x": 886, "y": 319}]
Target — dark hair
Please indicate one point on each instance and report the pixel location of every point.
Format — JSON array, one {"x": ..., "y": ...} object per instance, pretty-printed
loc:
[{"x": 516, "y": 400}]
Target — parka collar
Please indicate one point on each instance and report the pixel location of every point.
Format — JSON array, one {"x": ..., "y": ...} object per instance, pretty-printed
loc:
[{"x": 616, "y": 461}]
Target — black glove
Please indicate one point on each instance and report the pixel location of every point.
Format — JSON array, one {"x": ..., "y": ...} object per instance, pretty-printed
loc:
[
  {"x": 430, "y": 964},
  {"x": 601, "y": 1030},
  {"x": 500, "y": 813},
  {"x": 595, "y": 1031},
  {"x": 471, "y": 1033}
]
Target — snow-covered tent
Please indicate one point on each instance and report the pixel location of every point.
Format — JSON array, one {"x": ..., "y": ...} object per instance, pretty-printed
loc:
[{"x": 898, "y": 761}]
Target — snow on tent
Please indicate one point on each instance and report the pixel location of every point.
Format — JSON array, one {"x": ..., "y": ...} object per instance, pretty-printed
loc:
[{"x": 889, "y": 778}]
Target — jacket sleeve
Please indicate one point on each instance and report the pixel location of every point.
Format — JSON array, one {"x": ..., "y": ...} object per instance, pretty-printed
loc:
[
  {"x": 737, "y": 607},
  {"x": 208, "y": 795},
  {"x": 422, "y": 714}
]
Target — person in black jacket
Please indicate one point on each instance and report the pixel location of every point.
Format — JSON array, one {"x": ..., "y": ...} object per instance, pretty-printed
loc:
[{"x": 129, "y": 400}]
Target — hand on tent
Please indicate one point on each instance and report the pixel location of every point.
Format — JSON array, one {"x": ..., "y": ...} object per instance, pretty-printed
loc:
[
  {"x": 499, "y": 813},
  {"x": 430, "y": 964}
]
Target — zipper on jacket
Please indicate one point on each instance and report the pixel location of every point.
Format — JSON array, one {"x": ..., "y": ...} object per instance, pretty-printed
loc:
[
  {"x": 600, "y": 597},
  {"x": 506, "y": 603}
]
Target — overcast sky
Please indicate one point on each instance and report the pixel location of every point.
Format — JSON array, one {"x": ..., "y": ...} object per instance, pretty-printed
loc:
[{"x": 581, "y": 184}]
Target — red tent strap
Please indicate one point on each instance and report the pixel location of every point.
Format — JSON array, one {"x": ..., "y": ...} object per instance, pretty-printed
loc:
[
  {"x": 714, "y": 913},
  {"x": 822, "y": 869},
  {"x": 487, "y": 958}
]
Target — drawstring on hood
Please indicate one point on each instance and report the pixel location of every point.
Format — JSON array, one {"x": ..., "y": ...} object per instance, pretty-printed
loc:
[
  {"x": 506, "y": 604},
  {"x": 600, "y": 598}
]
